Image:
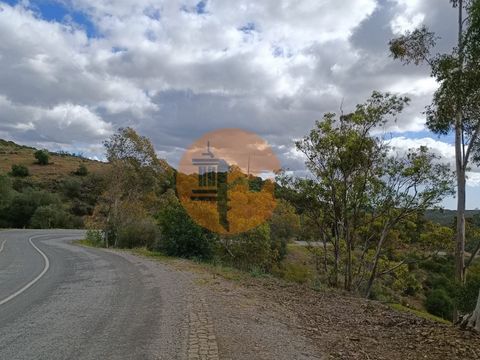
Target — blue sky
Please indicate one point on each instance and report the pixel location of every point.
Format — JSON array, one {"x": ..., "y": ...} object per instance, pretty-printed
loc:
[
  {"x": 58, "y": 11},
  {"x": 73, "y": 71}
]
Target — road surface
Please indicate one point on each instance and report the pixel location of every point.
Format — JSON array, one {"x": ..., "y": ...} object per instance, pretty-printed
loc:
[{"x": 63, "y": 301}]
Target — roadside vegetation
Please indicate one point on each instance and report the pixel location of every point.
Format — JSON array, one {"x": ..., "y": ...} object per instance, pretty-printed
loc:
[
  {"x": 46, "y": 190},
  {"x": 365, "y": 221}
]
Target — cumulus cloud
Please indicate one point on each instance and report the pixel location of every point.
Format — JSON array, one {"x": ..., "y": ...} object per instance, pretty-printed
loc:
[{"x": 175, "y": 69}]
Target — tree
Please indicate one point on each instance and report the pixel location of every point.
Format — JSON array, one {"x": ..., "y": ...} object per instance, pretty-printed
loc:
[
  {"x": 456, "y": 104},
  {"x": 180, "y": 235},
  {"x": 19, "y": 171},
  {"x": 42, "y": 157},
  {"x": 359, "y": 192},
  {"x": 136, "y": 176}
]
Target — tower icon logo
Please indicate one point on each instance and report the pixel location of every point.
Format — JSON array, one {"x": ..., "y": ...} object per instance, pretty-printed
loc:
[{"x": 226, "y": 181}]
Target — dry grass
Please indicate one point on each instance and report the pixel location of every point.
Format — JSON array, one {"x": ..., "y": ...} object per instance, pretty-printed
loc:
[{"x": 59, "y": 167}]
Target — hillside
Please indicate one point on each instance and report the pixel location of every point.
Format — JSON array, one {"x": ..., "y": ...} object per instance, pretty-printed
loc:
[
  {"x": 446, "y": 217},
  {"x": 54, "y": 195},
  {"x": 61, "y": 164}
]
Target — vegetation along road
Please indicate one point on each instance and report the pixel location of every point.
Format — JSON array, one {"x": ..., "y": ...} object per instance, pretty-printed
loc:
[{"x": 59, "y": 300}]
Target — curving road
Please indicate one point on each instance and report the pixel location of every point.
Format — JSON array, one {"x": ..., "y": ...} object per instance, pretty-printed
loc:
[{"x": 63, "y": 301}]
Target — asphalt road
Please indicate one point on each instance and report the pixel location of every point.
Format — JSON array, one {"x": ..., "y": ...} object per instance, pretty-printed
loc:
[{"x": 59, "y": 300}]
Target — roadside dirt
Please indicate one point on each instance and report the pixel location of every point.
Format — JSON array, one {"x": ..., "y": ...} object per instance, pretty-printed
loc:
[
  {"x": 266, "y": 318},
  {"x": 234, "y": 316}
]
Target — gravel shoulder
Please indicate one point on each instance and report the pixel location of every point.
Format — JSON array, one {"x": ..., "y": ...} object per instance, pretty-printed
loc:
[{"x": 266, "y": 318}]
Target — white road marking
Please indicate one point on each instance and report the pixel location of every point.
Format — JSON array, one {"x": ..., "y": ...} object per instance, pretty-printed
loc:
[
  {"x": 1, "y": 246},
  {"x": 39, "y": 276}
]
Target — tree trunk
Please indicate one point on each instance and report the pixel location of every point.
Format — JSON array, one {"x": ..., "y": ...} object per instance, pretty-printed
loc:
[
  {"x": 348, "y": 260},
  {"x": 472, "y": 321},
  {"x": 460, "y": 170},
  {"x": 373, "y": 274}
]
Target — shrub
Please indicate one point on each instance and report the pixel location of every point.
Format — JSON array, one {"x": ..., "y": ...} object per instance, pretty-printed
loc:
[
  {"x": 24, "y": 205},
  {"x": 42, "y": 157},
  {"x": 81, "y": 171},
  {"x": 468, "y": 293},
  {"x": 250, "y": 250},
  {"x": 19, "y": 171},
  {"x": 94, "y": 237},
  {"x": 181, "y": 236},
  {"x": 72, "y": 188},
  {"x": 134, "y": 232},
  {"x": 51, "y": 217},
  {"x": 284, "y": 225},
  {"x": 439, "y": 303}
]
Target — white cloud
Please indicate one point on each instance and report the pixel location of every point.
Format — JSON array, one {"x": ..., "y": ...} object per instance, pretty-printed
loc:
[
  {"x": 273, "y": 67},
  {"x": 409, "y": 18}
]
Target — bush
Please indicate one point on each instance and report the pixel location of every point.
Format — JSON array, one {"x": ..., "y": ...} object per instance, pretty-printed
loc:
[
  {"x": 468, "y": 293},
  {"x": 250, "y": 250},
  {"x": 440, "y": 304},
  {"x": 42, "y": 157},
  {"x": 51, "y": 217},
  {"x": 81, "y": 171},
  {"x": 181, "y": 236},
  {"x": 19, "y": 171},
  {"x": 137, "y": 233},
  {"x": 24, "y": 205},
  {"x": 72, "y": 188},
  {"x": 95, "y": 237},
  {"x": 284, "y": 226}
]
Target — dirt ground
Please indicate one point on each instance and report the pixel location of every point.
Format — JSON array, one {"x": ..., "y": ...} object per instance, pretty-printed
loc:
[{"x": 266, "y": 318}]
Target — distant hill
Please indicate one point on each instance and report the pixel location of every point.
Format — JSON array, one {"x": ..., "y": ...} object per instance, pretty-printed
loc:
[
  {"x": 62, "y": 164},
  {"x": 447, "y": 217}
]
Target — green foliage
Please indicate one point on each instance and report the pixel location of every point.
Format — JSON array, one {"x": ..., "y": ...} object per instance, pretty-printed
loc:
[
  {"x": 180, "y": 235},
  {"x": 42, "y": 157},
  {"x": 250, "y": 250},
  {"x": 135, "y": 180},
  {"x": 94, "y": 238},
  {"x": 468, "y": 293},
  {"x": 71, "y": 188},
  {"x": 51, "y": 217},
  {"x": 6, "y": 191},
  {"x": 405, "y": 282},
  {"x": 298, "y": 273},
  {"x": 359, "y": 198},
  {"x": 6, "y": 196},
  {"x": 284, "y": 226},
  {"x": 19, "y": 171},
  {"x": 137, "y": 232},
  {"x": 439, "y": 303},
  {"x": 24, "y": 205},
  {"x": 81, "y": 171}
]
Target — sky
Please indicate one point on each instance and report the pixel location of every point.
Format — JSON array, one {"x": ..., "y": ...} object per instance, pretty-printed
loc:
[{"x": 74, "y": 71}]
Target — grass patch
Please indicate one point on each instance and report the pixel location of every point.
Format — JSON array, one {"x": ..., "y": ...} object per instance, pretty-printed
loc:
[
  {"x": 88, "y": 243},
  {"x": 419, "y": 313},
  {"x": 150, "y": 254}
]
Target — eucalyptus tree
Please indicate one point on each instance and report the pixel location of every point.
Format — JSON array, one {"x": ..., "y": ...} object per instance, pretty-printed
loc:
[
  {"x": 136, "y": 179},
  {"x": 360, "y": 191},
  {"x": 456, "y": 104}
]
